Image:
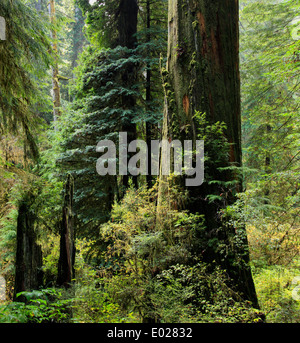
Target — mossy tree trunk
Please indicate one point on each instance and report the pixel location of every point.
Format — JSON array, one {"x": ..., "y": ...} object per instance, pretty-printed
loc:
[{"x": 203, "y": 76}]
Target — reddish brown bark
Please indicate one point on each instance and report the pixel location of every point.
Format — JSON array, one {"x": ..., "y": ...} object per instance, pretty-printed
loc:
[{"x": 203, "y": 76}]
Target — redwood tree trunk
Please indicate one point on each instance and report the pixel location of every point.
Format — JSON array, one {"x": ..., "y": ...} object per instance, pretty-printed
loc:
[
  {"x": 203, "y": 75},
  {"x": 148, "y": 95},
  {"x": 127, "y": 17}
]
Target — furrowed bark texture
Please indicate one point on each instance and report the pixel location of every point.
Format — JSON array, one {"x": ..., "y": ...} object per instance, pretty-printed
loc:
[
  {"x": 203, "y": 75},
  {"x": 203, "y": 63}
]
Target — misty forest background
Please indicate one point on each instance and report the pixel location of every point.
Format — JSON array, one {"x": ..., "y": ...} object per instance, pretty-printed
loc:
[{"x": 78, "y": 247}]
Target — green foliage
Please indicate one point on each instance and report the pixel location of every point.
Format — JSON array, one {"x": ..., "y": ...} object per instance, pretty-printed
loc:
[
  {"x": 149, "y": 269},
  {"x": 216, "y": 145},
  {"x": 270, "y": 93},
  {"x": 270, "y": 104},
  {"x": 134, "y": 263},
  {"x": 274, "y": 285},
  {"x": 111, "y": 97},
  {"x": 44, "y": 306},
  {"x": 25, "y": 56},
  {"x": 100, "y": 21},
  {"x": 44, "y": 201},
  {"x": 91, "y": 302},
  {"x": 222, "y": 178},
  {"x": 198, "y": 294}
]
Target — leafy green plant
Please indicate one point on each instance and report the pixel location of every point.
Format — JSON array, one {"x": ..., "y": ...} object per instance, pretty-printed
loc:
[
  {"x": 274, "y": 287},
  {"x": 41, "y": 306},
  {"x": 149, "y": 270},
  {"x": 199, "y": 294}
]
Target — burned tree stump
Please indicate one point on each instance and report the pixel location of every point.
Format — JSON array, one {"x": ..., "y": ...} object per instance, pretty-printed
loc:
[
  {"x": 28, "y": 274},
  {"x": 67, "y": 246}
]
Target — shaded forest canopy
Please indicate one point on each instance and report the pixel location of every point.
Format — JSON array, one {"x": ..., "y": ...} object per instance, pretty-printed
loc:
[{"x": 83, "y": 248}]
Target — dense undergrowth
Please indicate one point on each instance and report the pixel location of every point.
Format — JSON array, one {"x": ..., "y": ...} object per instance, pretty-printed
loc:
[
  {"x": 138, "y": 266},
  {"x": 146, "y": 274}
]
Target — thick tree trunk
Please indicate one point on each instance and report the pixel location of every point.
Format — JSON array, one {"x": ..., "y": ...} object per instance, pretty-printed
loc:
[
  {"x": 29, "y": 254},
  {"x": 127, "y": 15},
  {"x": 67, "y": 245},
  {"x": 203, "y": 62},
  {"x": 148, "y": 95},
  {"x": 203, "y": 75}
]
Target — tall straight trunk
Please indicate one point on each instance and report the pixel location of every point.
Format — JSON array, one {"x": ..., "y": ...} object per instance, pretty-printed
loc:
[
  {"x": 78, "y": 39},
  {"x": 127, "y": 18},
  {"x": 67, "y": 239},
  {"x": 148, "y": 95},
  {"x": 55, "y": 71},
  {"x": 268, "y": 168},
  {"x": 203, "y": 76},
  {"x": 28, "y": 274}
]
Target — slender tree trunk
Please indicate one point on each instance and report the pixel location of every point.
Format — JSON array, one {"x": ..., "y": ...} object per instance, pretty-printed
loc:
[
  {"x": 29, "y": 254},
  {"x": 55, "y": 71},
  {"x": 67, "y": 239},
  {"x": 203, "y": 75},
  {"x": 268, "y": 168},
  {"x": 78, "y": 35}
]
